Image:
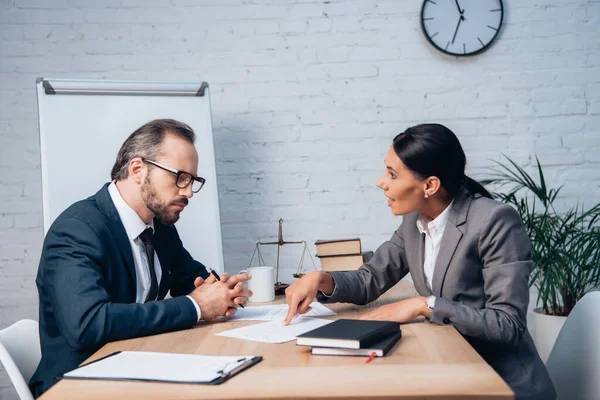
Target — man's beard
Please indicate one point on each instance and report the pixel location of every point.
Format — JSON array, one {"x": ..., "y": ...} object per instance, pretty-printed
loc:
[{"x": 158, "y": 208}]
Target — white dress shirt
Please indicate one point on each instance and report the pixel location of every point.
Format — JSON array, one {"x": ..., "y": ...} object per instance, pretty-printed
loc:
[
  {"x": 433, "y": 230},
  {"x": 134, "y": 226}
]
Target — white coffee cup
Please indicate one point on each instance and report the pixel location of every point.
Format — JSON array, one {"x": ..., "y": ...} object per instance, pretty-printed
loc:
[{"x": 262, "y": 284}]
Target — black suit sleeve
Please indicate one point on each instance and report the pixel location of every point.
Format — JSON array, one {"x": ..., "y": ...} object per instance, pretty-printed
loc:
[
  {"x": 184, "y": 268},
  {"x": 74, "y": 267}
]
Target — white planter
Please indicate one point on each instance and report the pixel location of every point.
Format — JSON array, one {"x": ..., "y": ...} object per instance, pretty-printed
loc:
[{"x": 545, "y": 331}]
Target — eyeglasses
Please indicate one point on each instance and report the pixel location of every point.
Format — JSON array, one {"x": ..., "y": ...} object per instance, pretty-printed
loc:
[{"x": 183, "y": 178}]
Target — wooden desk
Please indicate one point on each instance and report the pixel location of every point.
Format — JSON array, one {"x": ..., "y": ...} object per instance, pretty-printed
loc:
[{"x": 429, "y": 362}]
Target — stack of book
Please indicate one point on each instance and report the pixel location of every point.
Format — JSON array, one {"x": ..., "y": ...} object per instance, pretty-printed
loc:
[
  {"x": 341, "y": 254},
  {"x": 352, "y": 337}
]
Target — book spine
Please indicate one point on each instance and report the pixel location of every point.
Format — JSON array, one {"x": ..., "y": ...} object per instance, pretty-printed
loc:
[
  {"x": 338, "y": 255},
  {"x": 336, "y": 241}
]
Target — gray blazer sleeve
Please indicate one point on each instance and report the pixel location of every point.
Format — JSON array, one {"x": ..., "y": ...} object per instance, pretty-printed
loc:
[
  {"x": 387, "y": 266},
  {"x": 505, "y": 253}
]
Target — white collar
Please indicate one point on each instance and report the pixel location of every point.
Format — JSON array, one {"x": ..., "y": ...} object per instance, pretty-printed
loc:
[
  {"x": 424, "y": 223},
  {"x": 132, "y": 222}
]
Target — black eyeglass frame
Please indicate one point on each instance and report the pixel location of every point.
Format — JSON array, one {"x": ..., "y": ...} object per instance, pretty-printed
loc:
[{"x": 178, "y": 174}]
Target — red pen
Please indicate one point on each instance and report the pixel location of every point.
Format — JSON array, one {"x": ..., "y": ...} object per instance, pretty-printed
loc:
[{"x": 371, "y": 357}]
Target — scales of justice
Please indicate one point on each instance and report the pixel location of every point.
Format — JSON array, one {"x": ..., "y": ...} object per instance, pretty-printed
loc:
[{"x": 280, "y": 287}]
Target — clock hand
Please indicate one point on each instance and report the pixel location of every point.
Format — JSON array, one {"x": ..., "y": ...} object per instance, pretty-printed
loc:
[
  {"x": 458, "y": 6},
  {"x": 456, "y": 31}
]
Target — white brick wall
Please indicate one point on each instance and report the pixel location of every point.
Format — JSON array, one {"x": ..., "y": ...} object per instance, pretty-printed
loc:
[{"x": 307, "y": 96}]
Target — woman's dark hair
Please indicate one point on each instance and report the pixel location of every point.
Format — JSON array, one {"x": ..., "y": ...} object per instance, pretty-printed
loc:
[{"x": 434, "y": 150}]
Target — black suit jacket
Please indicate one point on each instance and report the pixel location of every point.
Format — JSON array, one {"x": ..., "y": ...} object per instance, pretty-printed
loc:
[{"x": 87, "y": 286}]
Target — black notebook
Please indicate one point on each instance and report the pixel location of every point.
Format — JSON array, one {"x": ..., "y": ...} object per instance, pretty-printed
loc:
[
  {"x": 380, "y": 348},
  {"x": 163, "y": 367},
  {"x": 348, "y": 333}
]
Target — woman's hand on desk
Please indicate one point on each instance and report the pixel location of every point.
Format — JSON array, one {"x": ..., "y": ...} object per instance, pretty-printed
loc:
[
  {"x": 303, "y": 292},
  {"x": 402, "y": 311}
]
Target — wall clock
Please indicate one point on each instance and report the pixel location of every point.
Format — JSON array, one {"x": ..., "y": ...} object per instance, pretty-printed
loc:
[{"x": 461, "y": 27}]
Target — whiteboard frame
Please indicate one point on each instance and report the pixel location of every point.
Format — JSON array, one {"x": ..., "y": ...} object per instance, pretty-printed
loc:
[{"x": 70, "y": 87}]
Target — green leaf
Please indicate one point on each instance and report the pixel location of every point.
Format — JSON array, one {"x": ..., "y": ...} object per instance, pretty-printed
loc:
[{"x": 565, "y": 247}]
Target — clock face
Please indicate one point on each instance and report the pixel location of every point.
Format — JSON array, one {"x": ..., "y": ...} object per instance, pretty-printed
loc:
[{"x": 461, "y": 27}]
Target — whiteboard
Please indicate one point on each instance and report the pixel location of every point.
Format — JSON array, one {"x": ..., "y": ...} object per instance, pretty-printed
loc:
[{"x": 83, "y": 124}]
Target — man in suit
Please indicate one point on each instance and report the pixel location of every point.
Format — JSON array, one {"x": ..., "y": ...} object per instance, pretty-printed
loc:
[{"x": 109, "y": 261}]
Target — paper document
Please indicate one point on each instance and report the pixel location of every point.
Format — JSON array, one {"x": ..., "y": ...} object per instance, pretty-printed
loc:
[
  {"x": 166, "y": 367},
  {"x": 274, "y": 331},
  {"x": 277, "y": 312}
]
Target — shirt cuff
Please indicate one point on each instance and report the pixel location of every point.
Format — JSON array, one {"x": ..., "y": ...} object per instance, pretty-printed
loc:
[
  {"x": 430, "y": 301},
  {"x": 196, "y": 306},
  {"x": 322, "y": 297}
]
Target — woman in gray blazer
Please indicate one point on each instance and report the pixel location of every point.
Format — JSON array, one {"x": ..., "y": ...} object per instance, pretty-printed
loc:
[{"x": 469, "y": 257}]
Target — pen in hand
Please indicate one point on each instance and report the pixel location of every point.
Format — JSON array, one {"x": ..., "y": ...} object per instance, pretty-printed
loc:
[
  {"x": 214, "y": 273},
  {"x": 218, "y": 278}
]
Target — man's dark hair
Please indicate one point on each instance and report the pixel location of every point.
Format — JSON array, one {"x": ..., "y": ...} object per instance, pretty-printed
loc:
[{"x": 146, "y": 142}]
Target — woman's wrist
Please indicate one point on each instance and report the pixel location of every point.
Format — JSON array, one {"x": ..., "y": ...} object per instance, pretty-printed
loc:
[
  {"x": 425, "y": 311},
  {"x": 326, "y": 283}
]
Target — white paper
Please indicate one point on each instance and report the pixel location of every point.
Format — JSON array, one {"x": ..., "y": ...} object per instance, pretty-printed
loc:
[
  {"x": 153, "y": 366},
  {"x": 274, "y": 331},
  {"x": 277, "y": 312}
]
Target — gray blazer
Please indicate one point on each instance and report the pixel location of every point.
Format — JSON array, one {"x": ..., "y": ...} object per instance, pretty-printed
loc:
[{"x": 480, "y": 281}]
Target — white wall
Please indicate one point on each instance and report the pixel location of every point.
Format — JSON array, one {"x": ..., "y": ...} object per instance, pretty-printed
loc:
[{"x": 307, "y": 96}]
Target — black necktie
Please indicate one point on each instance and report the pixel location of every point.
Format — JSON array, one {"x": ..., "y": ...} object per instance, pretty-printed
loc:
[{"x": 148, "y": 238}]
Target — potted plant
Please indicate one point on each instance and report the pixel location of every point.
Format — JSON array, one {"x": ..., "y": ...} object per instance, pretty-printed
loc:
[{"x": 565, "y": 247}]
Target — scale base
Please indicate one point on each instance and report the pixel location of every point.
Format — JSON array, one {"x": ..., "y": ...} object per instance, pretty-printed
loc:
[{"x": 280, "y": 288}]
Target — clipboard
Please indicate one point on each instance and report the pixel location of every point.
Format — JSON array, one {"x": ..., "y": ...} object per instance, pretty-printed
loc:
[{"x": 163, "y": 367}]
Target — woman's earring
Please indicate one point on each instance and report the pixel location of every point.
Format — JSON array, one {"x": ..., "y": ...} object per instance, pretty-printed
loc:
[{"x": 426, "y": 195}]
